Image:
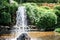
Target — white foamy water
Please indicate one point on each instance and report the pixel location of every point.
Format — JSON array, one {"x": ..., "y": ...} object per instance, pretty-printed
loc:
[{"x": 21, "y": 20}]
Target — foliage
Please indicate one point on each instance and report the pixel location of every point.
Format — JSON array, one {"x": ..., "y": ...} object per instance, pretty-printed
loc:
[
  {"x": 18, "y": 1},
  {"x": 5, "y": 18},
  {"x": 44, "y": 7},
  {"x": 42, "y": 1},
  {"x": 6, "y": 9},
  {"x": 57, "y": 30},
  {"x": 12, "y": 10},
  {"x": 47, "y": 19},
  {"x": 4, "y": 1},
  {"x": 42, "y": 17},
  {"x": 30, "y": 11},
  {"x": 57, "y": 12},
  {"x": 37, "y": 1}
]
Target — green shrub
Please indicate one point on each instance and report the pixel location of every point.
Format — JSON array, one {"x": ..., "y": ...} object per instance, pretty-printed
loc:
[
  {"x": 30, "y": 10},
  {"x": 37, "y": 1},
  {"x": 10, "y": 9},
  {"x": 47, "y": 20},
  {"x": 42, "y": 17},
  {"x": 19, "y": 1},
  {"x": 57, "y": 12},
  {"x": 2, "y": 1},
  {"x": 13, "y": 7},
  {"x": 5, "y": 18},
  {"x": 45, "y": 7},
  {"x": 57, "y": 30}
]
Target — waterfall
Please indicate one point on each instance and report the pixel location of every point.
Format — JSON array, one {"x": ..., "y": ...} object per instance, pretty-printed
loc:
[
  {"x": 21, "y": 19},
  {"x": 21, "y": 24}
]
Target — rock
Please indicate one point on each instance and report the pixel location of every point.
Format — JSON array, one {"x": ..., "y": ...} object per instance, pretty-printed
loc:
[{"x": 23, "y": 36}]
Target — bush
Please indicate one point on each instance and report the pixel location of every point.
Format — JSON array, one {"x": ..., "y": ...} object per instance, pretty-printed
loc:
[
  {"x": 45, "y": 7},
  {"x": 12, "y": 10},
  {"x": 47, "y": 19},
  {"x": 57, "y": 30},
  {"x": 42, "y": 17},
  {"x": 5, "y": 18},
  {"x": 57, "y": 12},
  {"x": 37, "y": 1},
  {"x": 2, "y": 1},
  {"x": 30, "y": 10},
  {"x": 8, "y": 9},
  {"x": 19, "y": 1}
]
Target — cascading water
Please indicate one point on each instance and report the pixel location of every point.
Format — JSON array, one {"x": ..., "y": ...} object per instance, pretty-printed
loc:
[
  {"x": 21, "y": 24},
  {"x": 21, "y": 20}
]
